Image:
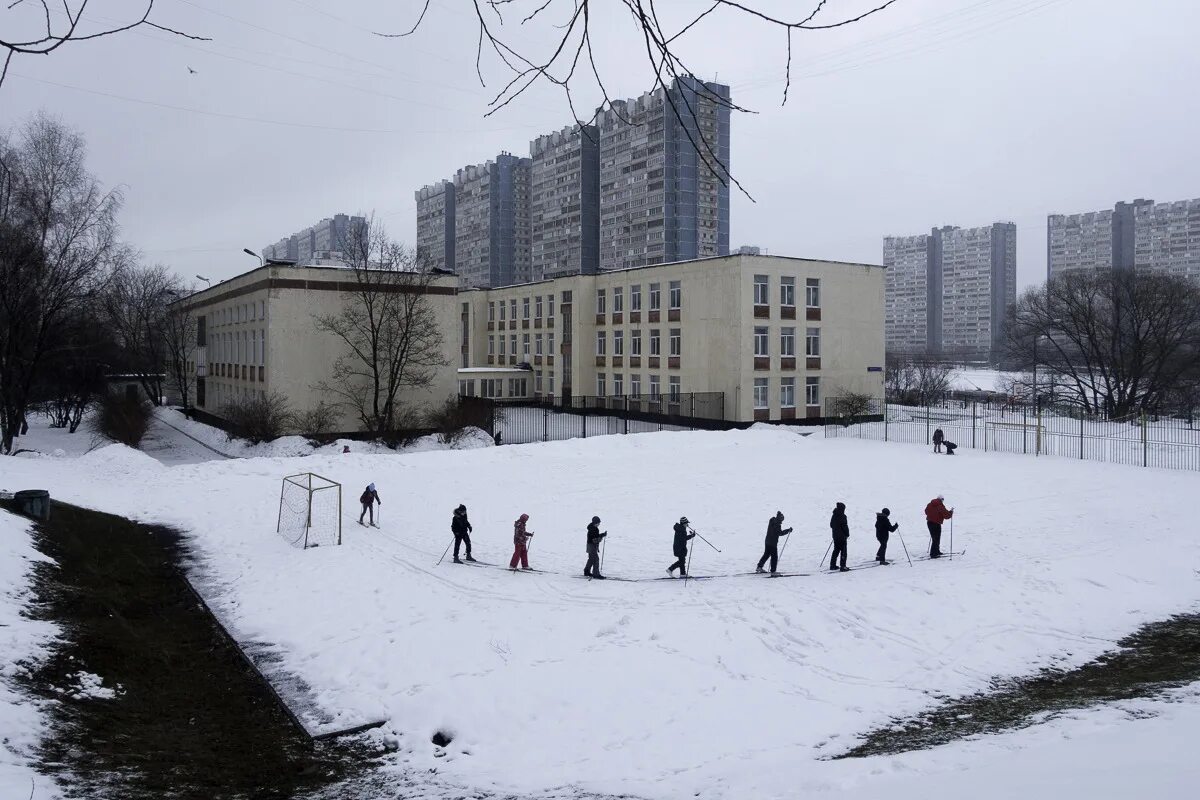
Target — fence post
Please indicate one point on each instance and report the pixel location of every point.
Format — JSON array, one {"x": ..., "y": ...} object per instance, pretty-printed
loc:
[
  {"x": 545, "y": 424},
  {"x": 583, "y": 415},
  {"x": 928, "y": 414},
  {"x": 885, "y": 419},
  {"x": 627, "y": 413},
  {"x": 1024, "y": 431},
  {"x": 1038, "y": 433},
  {"x": 1145, "y": 460},
  {"x": 1081, "y": 435},
  {"x": 693, "y": 413},
  {"x": 974, "y": 406}
]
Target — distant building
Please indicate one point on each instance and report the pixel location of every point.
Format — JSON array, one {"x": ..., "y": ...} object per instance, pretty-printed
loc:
[
  {"x": 435, "y": 226},
  {"x": 664, "y": 192},
  {"x": 1167, "y": 238},
  {"x": 321, "y": 242},
  {"x": 491, "y": 222},
  {"x": 1094, "y": 240},
  {"x": 564, "y": 202},
  {"x": 948, "y": 292}
]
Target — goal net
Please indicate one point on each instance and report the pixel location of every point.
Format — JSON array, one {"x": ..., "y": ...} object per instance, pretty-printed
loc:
[{"x": 310, "y": 511}]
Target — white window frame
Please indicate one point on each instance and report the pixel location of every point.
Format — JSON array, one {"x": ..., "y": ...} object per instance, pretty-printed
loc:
[
  {"x": 787, "y": 342},
  {"x": 762, "y": 346},
  {"x": 635, "y": 297},
  {"x": 787, "y": 292},
  {"x": 812, "y": 293},
  {"x": 812, "y": 342},
  {"x": 618, "y": 300},
  {"x": 655, "y": 297},
  {"x": 674, "y": 389},
  {"x": 601, "y": 343},
  {"x": 676, "y": 342},
  {"x": 618, "y": 340},
  {"x": 601, "y": 301},
  {"x": 655, "y": 342},
  {"x": 762, "y": 290},
  {"x": 762, "y": 394},
  {"x": 600, "y": 384},
  {"x": 787, "y": 392},
  {"x": 812, "y": 392},
  {"x": 675, "y": 298}
]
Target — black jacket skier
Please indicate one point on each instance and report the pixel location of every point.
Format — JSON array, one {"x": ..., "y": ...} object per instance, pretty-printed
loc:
[
  {"x": 938, "y": 436},
  {"x": 460, "y": 526},
  {"x": 841, "y": 537},
  {"x": 592, "y": 567},
  {"x": 771, "y": 550},
  {"x": 680, "y": 548},
  {"x": 369, "y": 498},
  {"x": 883, "y": 527}
]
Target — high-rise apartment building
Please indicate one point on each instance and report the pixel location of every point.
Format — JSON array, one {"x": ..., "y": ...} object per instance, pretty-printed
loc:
[
  {"x": 491, "y": 222},
  {"x": 948, "y": 292},
  {"x": 664, "y": 158},
  {"x": 1167, "y": 238},
  {"x": 435, "y": 226},
  {"x": 564, "y": 202},
  {"x": 323, "y": 241},
  {"x": 1093, "y": 240}
]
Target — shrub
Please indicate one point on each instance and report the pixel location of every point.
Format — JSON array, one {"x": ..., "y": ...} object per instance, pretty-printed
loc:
[
  {"x": 316, "y": 422},
  {"x": 122, "y": 418},
  {"x": 257, "y": 419}
]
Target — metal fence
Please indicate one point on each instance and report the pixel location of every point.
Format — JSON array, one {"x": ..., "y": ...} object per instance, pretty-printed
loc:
[
  {"x": 522, "y": 422},
  {"x": 1143, "y": 440}
]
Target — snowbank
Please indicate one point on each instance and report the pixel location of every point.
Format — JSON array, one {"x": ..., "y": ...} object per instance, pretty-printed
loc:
[
  {"x": 23, "y": 642},
  {"x": 728, "y": 688}
]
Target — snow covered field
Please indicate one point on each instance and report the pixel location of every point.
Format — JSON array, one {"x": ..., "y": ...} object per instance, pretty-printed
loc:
[{"x": 734, "y": 687}]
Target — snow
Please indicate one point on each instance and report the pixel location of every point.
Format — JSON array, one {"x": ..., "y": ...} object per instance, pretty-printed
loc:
[
  {"x": 23, "y": 642},
  {"x": 985, "y": 380},
  {"x": 730, "y": 688}
]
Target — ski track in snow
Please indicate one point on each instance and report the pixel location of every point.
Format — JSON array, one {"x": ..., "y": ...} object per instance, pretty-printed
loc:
[{"x": 732, "y": 687}]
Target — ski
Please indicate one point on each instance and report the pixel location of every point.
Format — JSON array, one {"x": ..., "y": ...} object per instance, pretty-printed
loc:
[
  {"x": 943, "y": 555},
  {"x": 607, "y": 578}
]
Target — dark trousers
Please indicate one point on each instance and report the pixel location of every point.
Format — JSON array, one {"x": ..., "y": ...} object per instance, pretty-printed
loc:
[
  {"x": 839, "y": 550},
  {"x": 935, "y": 536},
  {"x": 881, "y": 554},
  {"x": 771, "y": 551},
  {"x": 950, "y": 448},
  {"x": 592, "y": 567},
  {"x": 460, "y": 539},
  {"x": 680, "y": 564},
  {"x": 367, "y": 508}
]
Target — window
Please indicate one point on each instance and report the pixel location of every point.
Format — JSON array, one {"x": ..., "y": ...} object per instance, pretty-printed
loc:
[
  {"x": 491, "y": 345},
  {"x": 812, "y": 292},
  {"x": 812, "y": 391},
  {"x": 492, "y": 311},
  {"x": 253, "y": 312},
  {"x": 202, "y": 331},
  {"x": 787, "y": 342},
  {"x": 512, "y": 342},
  {"x": 537, "y": 344},
  {"x": 635, "y": 298},
  {"x": 566, "y": 299},
  {"x": 812, "y": 343},
  {"x": 676, "y": 343},
  {"x": 787, "y": 393},
  {"x": 762, "y": 388},
  {"x": 537, "y": 308},
  {"x": 655, "y": 348},
  {"x": 600, "y": 384},
  {"x": 502, "y": 307},
  {"x": 525, "y": 346},
  {"x": 601, "y": 344},
  {"x": 635, "y": 385},
  {"x": 618, "y": 385},
  {"x": 761, "y": 348},
  {"x": 600, "y": 304},
  {"x": 525, "y": 308},
  {"x": 618, "y": 343},
  {"x": 635, "y": 342},
  {"x": 512, "y": 308},
  {"x": 787, "y": 291},
  {"x": 537, "y": 382},
  {"x": 550, "y": 383},
  {"x": 550, "y": 343},
  {"x": 654, "y": 388},
  {"x": 676, "y": 298},
  {"x": 262, "y": 309},
  {"x": 673, "y": 389},
  {"x": 618, "y": 300},
  {"x": 762, "y": 291},
  {"x": 501, "y": 338},
  {"x": 550, "y": 303},
  {"x": 655, "y": 297}
]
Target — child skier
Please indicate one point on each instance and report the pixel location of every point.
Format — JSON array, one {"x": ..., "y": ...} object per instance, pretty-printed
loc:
[
  {"x": 460, "y": 526},
  {"x": 771, "y": 551},
  {"x": 680, "y": 547},
  {"x": 368, "y": 499},
  {"x": 521, "y": 539},
  {"x": 883, "y": 527},
  {"x": 841, "y": 537},
  {"x": 592, "y": 567}
]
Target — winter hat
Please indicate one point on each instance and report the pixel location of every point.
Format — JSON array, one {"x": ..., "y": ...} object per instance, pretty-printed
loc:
[
  {"x": 461, "y": 509},
  {"x": 524, "y": 517},
  {"x": 886, "y": 511},
  {"x": 841, "y": 506},
  {"x": 941, "y": 497},
  {"x": 370, "y": 487},
  {"x": 683, "y": 520},
  {"x": 595, "y": 520},
  {"x": 779, "y": 514}
]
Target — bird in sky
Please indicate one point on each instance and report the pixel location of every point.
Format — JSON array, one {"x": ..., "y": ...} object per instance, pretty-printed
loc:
[{"x": 192, "y": 71}]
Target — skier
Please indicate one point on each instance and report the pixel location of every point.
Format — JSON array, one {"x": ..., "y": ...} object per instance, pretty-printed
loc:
[
  {"x": 520, "y": 539},
  {"x": 841, "y": 537},
  {"x": 460, "y": 526},
  {"x": 368, "y": 499},
  {"x": 950, "y": 446},
  {"x": 883, "y": 526},
  {"x": 938, "y": 436},
  {"x": 771, "y": 550},
  {"x": 935, "y": 514},
  {"x": 680, "y": 547},
  {"x": 592, "y": 567}
]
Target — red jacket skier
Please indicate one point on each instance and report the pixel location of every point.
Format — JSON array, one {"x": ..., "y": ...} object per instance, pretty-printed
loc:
[
  {"x": 935, "y": 514},
  {"x": 521, "y": 539}
]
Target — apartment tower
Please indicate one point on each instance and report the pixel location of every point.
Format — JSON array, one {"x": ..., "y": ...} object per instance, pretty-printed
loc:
[
  {"x": 435, "y": 226},
  {"x": 491, "y": 222},
  {"x": 564, "y": 203}
]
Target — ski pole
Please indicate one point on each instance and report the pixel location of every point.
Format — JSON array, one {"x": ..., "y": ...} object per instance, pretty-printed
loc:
[
  {"x": 447, "y": 550},
  {"x": 706, "y": 541},
  {"x": 603, "y": 549},
  {"x": 952, "y": 538},
  {"x": 906, "y": 555},
  {"x": 826, "y": 552},
  {"x": 785, "y": 543},
  {"x": 691, "y": 546}
]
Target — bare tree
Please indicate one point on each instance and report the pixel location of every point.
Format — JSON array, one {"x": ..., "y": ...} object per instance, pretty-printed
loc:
[
  {"x": 31, "y": 28},
  {"x": 57, "y": 243},
  {"x": 568, "y": 55},
  {"x": 916, "y": 380},
  {"x": 136, "y": 302},
  {"x": 79, "y": 354},
  {"x": 848, "y": 405},
  {"x": 389, "y": 331},
  {"x": 1115, "y": 342},
  {"x": 179, "y": 343}
]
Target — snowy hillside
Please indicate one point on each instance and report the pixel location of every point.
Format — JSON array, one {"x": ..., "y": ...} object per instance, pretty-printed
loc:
[{"x": 734, "y": 687}]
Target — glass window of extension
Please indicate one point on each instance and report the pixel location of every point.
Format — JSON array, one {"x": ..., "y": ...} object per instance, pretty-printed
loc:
[
  {"x": 787, "y": 291},
  {"x": 762, "y": 388},
  {"x": 762, "y": 292}
]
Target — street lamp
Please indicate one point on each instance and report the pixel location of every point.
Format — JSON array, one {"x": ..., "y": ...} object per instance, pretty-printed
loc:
[
  {"x": 250, "y": 252},
  {"x": 206, "y": 280}
]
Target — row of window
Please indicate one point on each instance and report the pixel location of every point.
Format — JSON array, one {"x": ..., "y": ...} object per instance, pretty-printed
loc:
[
  {"x": 239, "y": 347},
  {"x": 674, "y": 339},
  {"x": 634, "y": 388},
  {"x": 787, "y": 342},
  {"x": 537, "y": 340},
  {"x": 674, "y": 298},
  {"x": 787, "y": 291},
  {"x": 243, "y": 312},
  {"x": 787, "y": 392},
  {"x": 509, "y": 310}
]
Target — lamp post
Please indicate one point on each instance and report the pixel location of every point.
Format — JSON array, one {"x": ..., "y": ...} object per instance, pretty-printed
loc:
[
  {"x": 206, "y": 280},
  {"x": 250, "y": 252}
]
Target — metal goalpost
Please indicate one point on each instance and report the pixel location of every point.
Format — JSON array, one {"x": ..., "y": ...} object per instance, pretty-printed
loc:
[{"x": 299, "y": 496}]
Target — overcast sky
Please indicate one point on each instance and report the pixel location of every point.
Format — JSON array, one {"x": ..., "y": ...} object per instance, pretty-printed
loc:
[{"x": 934, "y": 112}]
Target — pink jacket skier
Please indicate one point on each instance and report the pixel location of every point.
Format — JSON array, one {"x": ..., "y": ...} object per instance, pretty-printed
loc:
[{"x": 520, "y": 544}]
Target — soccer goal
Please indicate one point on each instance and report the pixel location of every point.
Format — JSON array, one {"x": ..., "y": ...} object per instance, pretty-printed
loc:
[
  {"x": 310, "y": 510},
  {"x": 1015, "y": 437}
]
